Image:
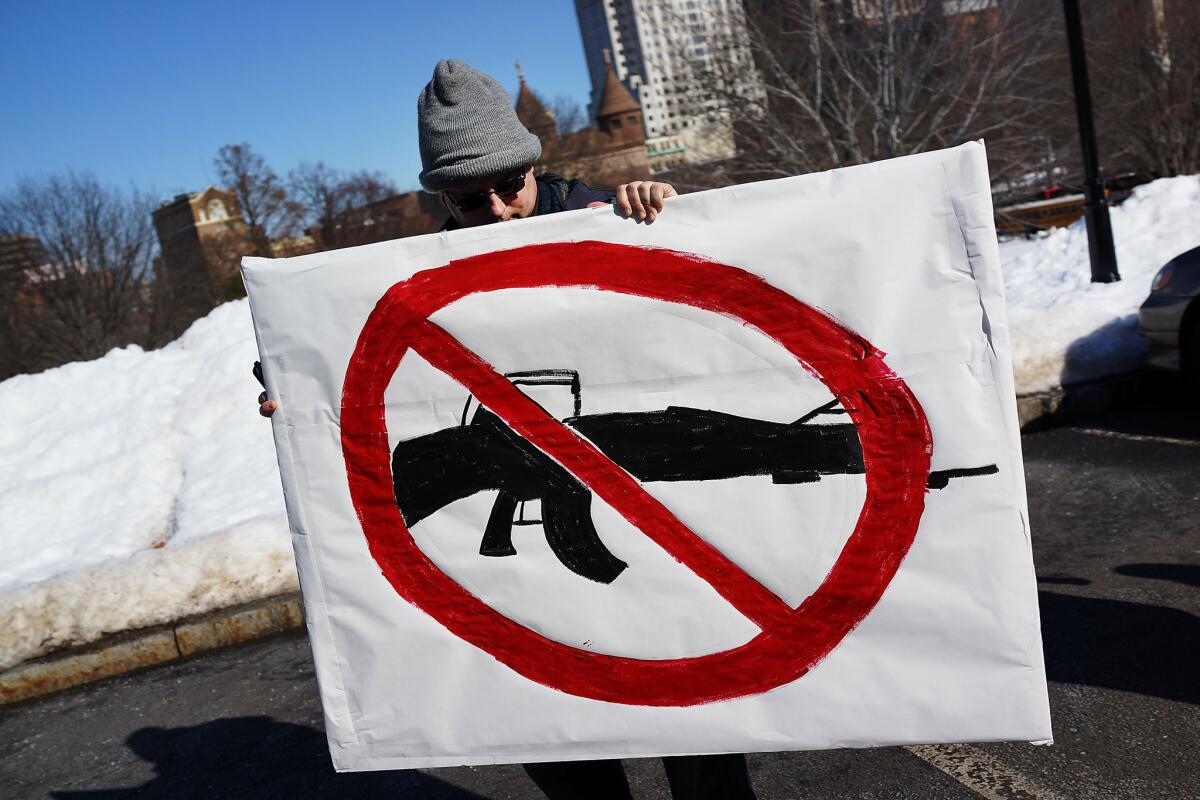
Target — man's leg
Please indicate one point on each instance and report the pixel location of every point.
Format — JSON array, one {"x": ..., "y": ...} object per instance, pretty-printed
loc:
[
  {"x": 723, "y": 777},
  {"x": 581, "y": 780}
]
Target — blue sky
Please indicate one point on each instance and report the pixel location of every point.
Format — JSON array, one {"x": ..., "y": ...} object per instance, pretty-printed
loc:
[{"x": 146, "y": 92}]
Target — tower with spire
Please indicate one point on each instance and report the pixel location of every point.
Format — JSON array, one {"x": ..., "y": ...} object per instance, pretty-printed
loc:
[
  {"x": 619, "y": 114},
  {"x": 610, "y": 151},
  {"x": 533, "y": 113}
]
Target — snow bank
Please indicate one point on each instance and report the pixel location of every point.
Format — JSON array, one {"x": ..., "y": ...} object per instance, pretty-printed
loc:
[
  {"x": 1066, "y": 329},
  {"x": 142, "y": 487},
  {"x": 137, "y": 488}
]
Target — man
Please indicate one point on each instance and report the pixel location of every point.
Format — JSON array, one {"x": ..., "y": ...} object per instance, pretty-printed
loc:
[{"x": 479, "y": 158}]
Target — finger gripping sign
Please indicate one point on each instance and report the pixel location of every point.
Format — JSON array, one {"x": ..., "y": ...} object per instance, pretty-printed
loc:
[{"x": 891, "y": 426}]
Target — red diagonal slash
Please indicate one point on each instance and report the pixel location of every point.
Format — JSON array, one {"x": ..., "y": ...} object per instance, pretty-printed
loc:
[
  {"x": 892, "y": 430},
  {"x": 600, "y": 474}
]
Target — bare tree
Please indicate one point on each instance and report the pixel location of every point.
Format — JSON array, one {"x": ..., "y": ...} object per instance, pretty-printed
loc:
[
  {"x": 265, "y": 205},
  {"x": 82, "y": 284},
  {"x": 364, "y": 187},
  {"x": 1148, "y": 98},
  {"x": 335, "y": 204},
  {"x": 847, "y": 83},
  {"x": 325, "y": 194},
  {"x": 569, "y": 115},
  {"x": 317, "y": 190}
]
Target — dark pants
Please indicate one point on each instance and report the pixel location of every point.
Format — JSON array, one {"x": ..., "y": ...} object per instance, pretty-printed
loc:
[{"x": 723, "y": 777}]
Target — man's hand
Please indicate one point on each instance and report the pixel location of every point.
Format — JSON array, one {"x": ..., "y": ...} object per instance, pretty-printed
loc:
[
  {"x": 267, "y": 407},
  {"x": 642, "y": 200}
]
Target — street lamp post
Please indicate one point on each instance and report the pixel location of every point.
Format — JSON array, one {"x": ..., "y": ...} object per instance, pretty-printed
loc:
[{"x": 1095, "y": 208}]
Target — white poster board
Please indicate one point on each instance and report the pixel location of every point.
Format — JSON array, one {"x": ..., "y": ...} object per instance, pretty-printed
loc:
[{"x": 745, "y": 479}]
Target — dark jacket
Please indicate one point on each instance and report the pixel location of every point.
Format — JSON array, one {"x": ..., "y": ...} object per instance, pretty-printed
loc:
[{"x": 556, "y": 193}]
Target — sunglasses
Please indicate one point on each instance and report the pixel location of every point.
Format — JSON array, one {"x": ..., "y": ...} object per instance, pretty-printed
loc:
[{"x": 506, "y": 187}]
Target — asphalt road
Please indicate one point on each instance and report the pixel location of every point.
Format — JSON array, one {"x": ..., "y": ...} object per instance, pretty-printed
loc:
[{"x": 1115, "y": 511}]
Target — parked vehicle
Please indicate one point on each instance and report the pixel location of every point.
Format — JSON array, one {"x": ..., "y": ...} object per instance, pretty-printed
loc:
[{"x": 1170, "y": 316}]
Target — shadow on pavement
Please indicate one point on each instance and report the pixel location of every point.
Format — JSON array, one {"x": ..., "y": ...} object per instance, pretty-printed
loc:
[
  {"x": 1115, "y": 644},
  {"x": 1063, "y": 580},
  {"x": 1158, "y": 404},
  {"x": 257, "y": 757},
  {"x": 1187, "y": 574}
]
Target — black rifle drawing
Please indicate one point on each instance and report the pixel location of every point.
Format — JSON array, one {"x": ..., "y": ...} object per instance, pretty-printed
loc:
[{"x": 677, "y": 444}]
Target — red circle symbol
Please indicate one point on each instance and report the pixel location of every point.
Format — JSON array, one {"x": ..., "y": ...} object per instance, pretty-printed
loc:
[{"x": 892, "y": 429}]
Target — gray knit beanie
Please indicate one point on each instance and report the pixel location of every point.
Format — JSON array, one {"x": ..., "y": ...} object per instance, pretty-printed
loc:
[{"x": 468, "y": 128}]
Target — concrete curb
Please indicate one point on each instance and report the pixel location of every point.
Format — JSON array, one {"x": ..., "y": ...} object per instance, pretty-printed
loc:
[
  {"x": 1064, "y": 404},
  {"x": 135, "y": 650},
  {"x": 150, "y": 647}
]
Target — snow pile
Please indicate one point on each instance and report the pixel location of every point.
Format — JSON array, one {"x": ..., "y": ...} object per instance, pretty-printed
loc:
[
  {"x": 136, "y": 489},
  {"x": 142, "y": 487},
  {"x": 1066, "y": 329}
]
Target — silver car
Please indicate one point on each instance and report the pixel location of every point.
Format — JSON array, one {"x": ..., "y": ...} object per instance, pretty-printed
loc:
[{"x": 1170, "y": 317}]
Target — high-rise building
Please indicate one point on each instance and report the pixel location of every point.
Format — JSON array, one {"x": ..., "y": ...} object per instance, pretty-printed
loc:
[{"x": 667, "y": 52}]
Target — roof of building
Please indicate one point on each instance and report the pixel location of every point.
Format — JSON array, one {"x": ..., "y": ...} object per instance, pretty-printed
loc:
[
  {"x": 617, "y": 99},
  {"x": 187, "y": 197},
  {"x": 530, "y": 110}
]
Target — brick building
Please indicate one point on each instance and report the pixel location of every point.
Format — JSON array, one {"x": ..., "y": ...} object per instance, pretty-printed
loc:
[
  {"x": 609, "y": 152},
  {"x": 20, "y": 256},
  {"x": 23, "y": 265},
  {"x": 202, "y": 237}
]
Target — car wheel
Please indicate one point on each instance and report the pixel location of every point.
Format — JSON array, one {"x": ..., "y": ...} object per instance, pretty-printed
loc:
[{"x": 1190, "y": 355}]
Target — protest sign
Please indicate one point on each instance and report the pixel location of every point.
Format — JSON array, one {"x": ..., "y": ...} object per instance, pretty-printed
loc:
[{"x": 745, "y": 479}]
